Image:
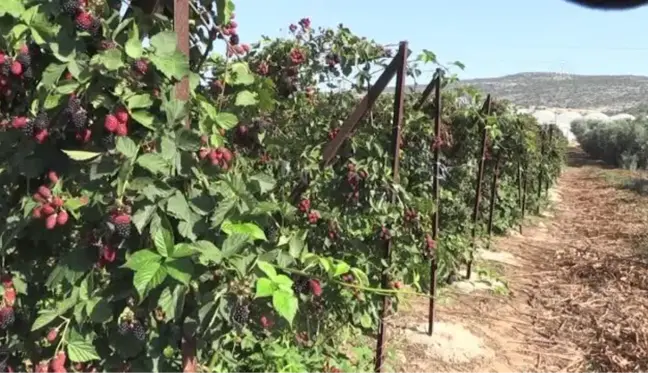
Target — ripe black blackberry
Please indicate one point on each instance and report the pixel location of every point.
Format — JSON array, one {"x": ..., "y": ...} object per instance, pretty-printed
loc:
[
  {"x": 234, "y": 39},
  {"x": 24, "y": 59},
  {"x": 7, "y": 317},
  {"x": 28, "y": 130},
  {"x": 300, "y": 285},
  {"x": 5, "y": 69},
  {"x": 108, "y": 140},
  {"x": 122, "y": 223},
  {"x": 71, "y": 7},
  {"x": 41, "y": 121},
  {"x": 79, "y": 118},
  {"x": 241, "y": 314},
  {"x": 124, "y": 328},
  {"x": 28, "y": 73},
  {"x": 74, "y": 104},
  {"x": 271, "y": 233},
  {"x": 138, "y": 330}
]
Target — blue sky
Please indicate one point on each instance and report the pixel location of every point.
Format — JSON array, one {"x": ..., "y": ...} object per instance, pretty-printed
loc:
[{"x": 492, "y": 38}]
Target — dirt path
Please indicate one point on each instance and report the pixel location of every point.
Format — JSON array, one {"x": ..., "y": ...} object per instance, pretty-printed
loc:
[{"x": 576, "y": 298}]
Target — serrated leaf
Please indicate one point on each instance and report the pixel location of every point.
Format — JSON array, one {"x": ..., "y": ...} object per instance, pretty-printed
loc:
[
  {"x": 127, "y": 147},
  {"x": 164, "y": 43},
  {"x": 265, "y": 182},
  {"x": 223, "y": 208},
  {"x": 51, "y": 75},
  {"x": 179, "y": 207},
  {"x": 171, "y": 301},
  {"x": 180, "y": 269},
  {"x": 12, "y": 7},
  {"x": 139, "y": 101},
  {"x": 111, "y": 59},
  {"x": 154, "y": 163},
  {"x": 267, "y": 268},
  {"x": 182, "y": 250},
  {"x": 78, "y": 155},
  {"x": 43, "y": 319},
  {"x": 246, "y": 98},
  {"x": 264, "y": 287},
  {"x": 142, "y": 258},
  {"x": 175, "y": 65},
  {"x": 148, "y": 278},
  {"x": 144, "y": 118},
  {"x": 133, "y": 46},
  {"x": 250, "y": 229},
  {"x": 233, "y": 243},
  {"x": 80, "y": 351},
  {"x": 285, "y": 303},
  {"x": 240, "y": 74},
  {"x": 162, "y": 238},
  {"x": 226, "y": 120}
]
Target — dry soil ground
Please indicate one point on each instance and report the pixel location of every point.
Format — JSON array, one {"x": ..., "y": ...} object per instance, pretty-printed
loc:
[{"x": 575, "y": 297}]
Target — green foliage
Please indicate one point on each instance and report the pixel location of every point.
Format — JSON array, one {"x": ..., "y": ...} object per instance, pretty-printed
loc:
[{"x": 133, "y": 220}]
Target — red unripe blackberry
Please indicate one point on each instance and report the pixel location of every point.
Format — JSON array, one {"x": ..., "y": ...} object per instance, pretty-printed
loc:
[
  {"x": 44, "y": 191},
  {"x": 84, "y": 21},
  {"x": 53, "y": 177},
  {"x": 141, "y": 66},
  {"x": 37, "y": 213},
  {"x": 227, "y": 154},
  {"x": 246, "y": 47},
  {"x": 16, "y": 68},
  {"x": 7, "y": 317},
  {"x": 41, "y": 136},
  {"x": 304, "y": 205},
  {"x": 122, "y": 223},
  {"x": 315, "y": 287},
  {"x": 314, "y": 217},
  {"x": 57, "y": 202},
  {"x": 19, "y": 122},
  {"x": 59, "y": 360},
  {"x": 52, "y": 335},
  {"x": 122, "y": 129},
  {"x": 266, "y": 323},
  {"x": 204, "y": 153},
  {"x": 42, "y": 367},
  {"x": 122, "y": 114},
  {"x": 84, "y": 135},
  {"x": 10, "y": 296},
  {"x": 48, "y": 209},
  {"x": 62, "y": 218},
  {"x": 50, "y": 222},
  {"x": 111, "y": 123}
]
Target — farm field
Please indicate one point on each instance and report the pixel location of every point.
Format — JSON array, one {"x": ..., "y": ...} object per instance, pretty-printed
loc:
[{"x": 174, "y": 198}]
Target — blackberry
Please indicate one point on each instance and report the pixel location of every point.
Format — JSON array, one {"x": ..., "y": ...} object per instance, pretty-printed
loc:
[
  {"x": 234, "y": 39},
  {"x": 79, "y": 118},
  {"x": 5, "y": 69},
  {"x": 24, "y": 59},
  {"x": 271, "y": 233},
  {"x": 74, "y": 104},
  {"x": 41, "y": 121},
  {"x": 71, "y": 7},
  {"x": 138, "y": 331},
  {"x": 7, "y": 317},
  {"x": 28, "y": 130},
  {"x": 241, "y": 314},
  {"x": 122, "y": 224},
  {"x": 108, "y": 140},
  {"x": 300, "y": 285},
  {"x": 28, "y": 73},
  {"x": 124, "y": 328}
]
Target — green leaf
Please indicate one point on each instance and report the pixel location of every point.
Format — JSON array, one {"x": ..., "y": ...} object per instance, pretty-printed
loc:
[
  {"x": 80, "y": 351},
  {"x": 12, "y": 7},
  {"x": 163, "y": 238},
  {"x": 127, "y": 147},
  {"x": 267, "y": 268},
  {"x": 188, "y": 140},
  {"x": 233, "y": 243},
  {"x": 144, "y": 118},
  {"x": 266, "y": 182},
  {"x": 296, "y": 245},
  {"x": 246, "y": 98},
  {"x": 141, "y": 259},
  {"x": 154, "y": 163},
  {"x": 222, "y": 210},
  {"x": 51, "y": 75},
  {"x": 208, "y": 251},
  {"x": 240, "y": 74},
  {"x": 165, "y": 43},
  {"x": 148, "y": 278},
  {"x": 78, "y": 155},
  {"x": 175, "y": 65},
  {"x": 134, "y": 47},
  {"x": 43, "y": 319},
  {"x": 180, "y": 269},
  {"x": 139, "y": 101},
  {"x": 179, "y": 207},
  {"x": 226, "y": 120},
  {"x": 73, "y": 204},
  {"x": 285, "y": 303},
  {"x": 182, "y": 250},
  {"x": 111, "y": 59},
  {"x": 224, "y": 10},
  {"x": 264, "y": 287},
  {"x": 249, "y": 229},
  {"x": 171, "y": 301}
]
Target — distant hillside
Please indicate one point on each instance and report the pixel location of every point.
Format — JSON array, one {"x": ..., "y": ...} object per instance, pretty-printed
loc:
[{"x": 607, "y": 93}]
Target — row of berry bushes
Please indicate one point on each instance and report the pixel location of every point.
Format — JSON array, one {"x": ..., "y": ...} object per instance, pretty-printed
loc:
[
  {"x": 619, "y": 143},
  {"x": 141, "y": 232}
]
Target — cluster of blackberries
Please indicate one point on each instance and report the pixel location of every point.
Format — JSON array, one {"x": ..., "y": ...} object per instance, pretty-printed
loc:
[
  {"x": 76, "y": 114},
  {"x": 241, "y": 313},
  {"x": 83, "y": 19},
  {"x": 134, "y": 328}
]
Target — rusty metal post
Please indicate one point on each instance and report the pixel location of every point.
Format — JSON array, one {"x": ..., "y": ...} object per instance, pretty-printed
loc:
[
  {"x": 435, "y": 193},
  {"x": 480, "y": 175},
  {"x": 541, "y": 173},
  {"x": 493, "y": 197},
  {"x": 549, "y": 146},
  {"x": 181, "y": 27},
  {"x": 399, "y": 100}
]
